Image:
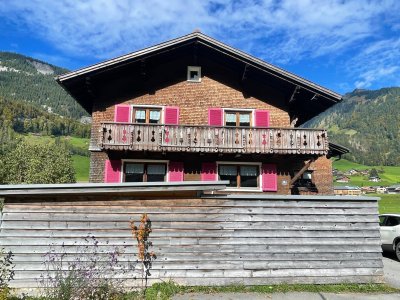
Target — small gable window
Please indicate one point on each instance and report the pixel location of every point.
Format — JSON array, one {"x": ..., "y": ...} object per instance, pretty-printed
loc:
[{"x": 194, "y": 74}]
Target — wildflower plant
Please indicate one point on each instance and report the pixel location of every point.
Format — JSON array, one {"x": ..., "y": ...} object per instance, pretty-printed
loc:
[
  {"x": 6, "y": 271},
  {"x": 84, "y": 271},
  {"x": 145, "y": 256}
]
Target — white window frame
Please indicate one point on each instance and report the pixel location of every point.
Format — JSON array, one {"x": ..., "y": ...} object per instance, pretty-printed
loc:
[
  {"x": 251, "y": 110},
  {"x": 258, "y": 189},
  {"x": 123, "y": 161},
  {"x": 161, "y": 107},
  {"x": 193, "y": 68}
]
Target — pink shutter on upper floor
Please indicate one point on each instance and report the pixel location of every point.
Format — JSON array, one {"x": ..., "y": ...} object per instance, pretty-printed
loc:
[
  {"x": 269, "y": 178},
  {"x": 112, "y": 171},
  {"x": 122, "y": 113},
  {"x": 261, "y": 118},
  {"x": 209, "y": 171},
  {"x": 171, "y": 115},
  {"x": 215, "y": 116},
  {"x": 175, "y": 171}
]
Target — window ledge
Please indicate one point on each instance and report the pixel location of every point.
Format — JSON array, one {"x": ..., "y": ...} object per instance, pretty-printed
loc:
[{"x": 243, "y": 190}]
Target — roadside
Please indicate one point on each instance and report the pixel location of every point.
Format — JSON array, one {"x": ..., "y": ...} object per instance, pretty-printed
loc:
[
  {"x": 286, "y": 296},
  {"x": 391, "y": 268}
]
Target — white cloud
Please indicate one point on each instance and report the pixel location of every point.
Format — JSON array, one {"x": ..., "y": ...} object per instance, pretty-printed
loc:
[
  {"x": 281, "y": 32},
  {"x": 105, "y": 28}
]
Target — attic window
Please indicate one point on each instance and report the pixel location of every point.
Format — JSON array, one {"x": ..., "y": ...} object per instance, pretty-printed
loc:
[{"x": 194, "y": 74}]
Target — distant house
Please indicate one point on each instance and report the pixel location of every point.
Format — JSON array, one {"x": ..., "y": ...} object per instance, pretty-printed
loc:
[
  {"x": 368, "y": 190},
  {"x": 374, "y": 179},
  {"x": 364, "y": 172},
  {"x": 381, "y": 189},
  {"x": 394, "y": 189},
  {"x": 347, "y": 190},
  {"x": 344, "y": 179}
]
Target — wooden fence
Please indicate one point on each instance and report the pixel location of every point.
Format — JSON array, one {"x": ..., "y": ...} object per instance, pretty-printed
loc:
[{"x": 207, "y": 240}]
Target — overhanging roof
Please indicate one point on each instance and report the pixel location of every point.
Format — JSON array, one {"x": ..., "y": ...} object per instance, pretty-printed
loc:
[
  {"x": 71, "y": 80},
  {"x": 337, "y": 150}
]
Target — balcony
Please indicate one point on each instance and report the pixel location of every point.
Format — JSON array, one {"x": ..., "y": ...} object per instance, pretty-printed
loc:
[{"x": 188, "y": 138}]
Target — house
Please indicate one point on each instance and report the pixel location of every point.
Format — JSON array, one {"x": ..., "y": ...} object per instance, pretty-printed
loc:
[
  {"x": 344, "y": 179},
  {"x": 195, "y": 109},
  {"x": 393, "y": 189},
  {"x": 380, "y": 189},
  {"x": 368, "y": 190},
  {"x": 374, "y": 179},
  {"x": 205, "y": 140},
  {"x": 347, "y": 190}
]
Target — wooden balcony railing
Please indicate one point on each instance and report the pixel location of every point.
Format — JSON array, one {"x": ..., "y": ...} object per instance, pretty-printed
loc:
[{"x": 188, "y": 138}]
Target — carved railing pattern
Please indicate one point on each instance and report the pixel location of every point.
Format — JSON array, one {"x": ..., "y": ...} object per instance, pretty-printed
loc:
[{"x": 188, "y": 138}]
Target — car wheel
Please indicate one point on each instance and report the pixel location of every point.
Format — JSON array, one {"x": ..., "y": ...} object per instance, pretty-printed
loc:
[{"x": 397, "y": 250}]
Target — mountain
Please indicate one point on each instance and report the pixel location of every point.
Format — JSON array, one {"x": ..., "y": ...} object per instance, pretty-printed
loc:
[
  {"x": 368, "y": 123},
  {"x": 31, "y": 80}
]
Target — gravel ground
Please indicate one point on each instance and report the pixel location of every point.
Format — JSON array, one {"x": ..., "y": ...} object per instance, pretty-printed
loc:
[{"x": 391, "y": 268}]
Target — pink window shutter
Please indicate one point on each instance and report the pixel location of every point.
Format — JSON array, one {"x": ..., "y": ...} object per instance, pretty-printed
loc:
[
  {"x": 209, "y": 171},
  {"x": 215, "y": 117},
  {"x": 171, "y": 115},
  {"x": 269, "y": 178},
  {"x": 122, "y": 113},
  {"x": 112, "y": 171},
  {"x": 175, "y": 171},
  {"x": 261, "y": 118}
]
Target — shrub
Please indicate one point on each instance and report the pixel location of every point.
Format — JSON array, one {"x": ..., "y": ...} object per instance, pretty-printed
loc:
[
  {"x": 87, "y": 273},
  {"x": 6, "y": 272}
]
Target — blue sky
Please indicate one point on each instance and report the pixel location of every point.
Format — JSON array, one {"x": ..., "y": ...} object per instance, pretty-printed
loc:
[{"x": 341, "y": 45}]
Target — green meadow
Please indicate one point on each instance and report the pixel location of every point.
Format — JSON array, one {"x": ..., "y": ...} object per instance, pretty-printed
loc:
[{"x": 390, "y": 175}]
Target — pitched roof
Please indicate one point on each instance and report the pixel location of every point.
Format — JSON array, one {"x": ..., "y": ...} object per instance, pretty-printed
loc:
[{"x": 296, "y": 83}]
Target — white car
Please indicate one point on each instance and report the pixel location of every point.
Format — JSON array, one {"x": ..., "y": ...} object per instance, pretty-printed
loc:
[{"x": 390, "y": 233}]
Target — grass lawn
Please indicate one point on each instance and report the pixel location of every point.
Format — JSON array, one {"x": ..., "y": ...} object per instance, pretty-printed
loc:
[
  {"x": 388, "y": 203},
  {"x": 81, "y": 166}
]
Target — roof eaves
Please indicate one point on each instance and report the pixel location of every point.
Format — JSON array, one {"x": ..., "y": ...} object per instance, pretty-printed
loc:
[{"x": 249, "y": 58}]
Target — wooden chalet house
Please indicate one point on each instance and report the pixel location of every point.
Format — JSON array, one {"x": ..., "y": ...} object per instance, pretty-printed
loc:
[{"x": 195, "y": 109}]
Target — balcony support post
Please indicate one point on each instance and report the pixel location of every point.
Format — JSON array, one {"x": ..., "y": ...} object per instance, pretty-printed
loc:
[{"x": 301, "y": 172}]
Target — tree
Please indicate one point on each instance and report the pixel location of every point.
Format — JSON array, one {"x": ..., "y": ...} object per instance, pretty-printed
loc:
[
  {"x": 373, "y": 173},
  {"x": 29, "y": 164}
]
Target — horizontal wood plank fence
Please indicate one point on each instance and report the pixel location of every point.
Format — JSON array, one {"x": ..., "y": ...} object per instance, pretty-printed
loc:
[
  {"x": 187, "y": 138},
  {"x": 209, "y": 240}
]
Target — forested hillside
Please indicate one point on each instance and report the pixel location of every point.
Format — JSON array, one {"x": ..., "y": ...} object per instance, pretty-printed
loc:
[
  {"x": 27, "y": 79},
  {"x": 367, "y": 122}
]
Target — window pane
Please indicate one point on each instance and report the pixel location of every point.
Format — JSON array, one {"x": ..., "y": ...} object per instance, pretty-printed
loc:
[
  {"x": 155, "y": 178},
  {"x": 134, "y": 168},
  {"x": 155, "y": 116},
  {"x": 232, "y": 179},
  {"x": 244, "y": 119},
  {"x": 140, "y": 116},
  {"x": 231, "y": 117},
  {"x": 228, "y": 170},
  {"x": 382, "y": 220},
  {"x": 307, "y": 175},
  {"x": 133, "y": 177},
  {"x": 248, "y": 181},
  {"x": 248, "y": 170},
  {"x": 156, "y": 169},
  {"x": 392, "y": 221},
  {"x": 194, "y": 75}
]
